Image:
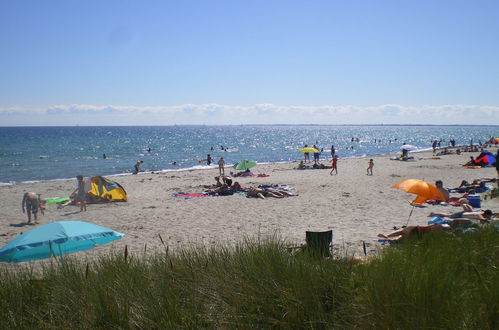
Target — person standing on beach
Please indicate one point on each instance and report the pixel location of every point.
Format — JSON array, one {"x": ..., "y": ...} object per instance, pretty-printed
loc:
[
  {"x": 370, "y": 167},
  {"x": 221, "y": 164},
  {"x": 333, "y": 151},
  {"x": 306, "y": 154},
  {"x": 81, "y": 194},
  {"x": 316, "y": 155},
  {"x": 334, "y": 165},
  {"x": 137, "y": 165},
  {"x": 30, "y": 205},
  {"x": 208, "y": 159}
]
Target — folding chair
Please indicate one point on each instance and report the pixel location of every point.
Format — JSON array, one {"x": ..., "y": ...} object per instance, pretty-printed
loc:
[{"x": 319, "y": 242}]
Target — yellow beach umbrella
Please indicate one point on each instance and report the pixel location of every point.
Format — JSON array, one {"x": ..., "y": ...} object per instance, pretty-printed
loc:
[{"x": 310, "y": 149}]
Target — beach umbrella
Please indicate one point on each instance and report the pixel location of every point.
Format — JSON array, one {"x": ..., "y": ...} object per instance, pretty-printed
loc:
[
  {"x": 244, "y": 165},
  {"x": 408, "y": 147},
  {"x": 56, "y": 238},
  {"x": 420, "y": 188},
  {"x": 310, "y": 149}
]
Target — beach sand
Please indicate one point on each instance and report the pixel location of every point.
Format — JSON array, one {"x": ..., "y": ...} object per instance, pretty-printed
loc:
[{"x": 354, "y": 205}]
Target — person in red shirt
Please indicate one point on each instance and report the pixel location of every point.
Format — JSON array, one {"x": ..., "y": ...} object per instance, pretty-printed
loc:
[{"x": 334, "y": 165}]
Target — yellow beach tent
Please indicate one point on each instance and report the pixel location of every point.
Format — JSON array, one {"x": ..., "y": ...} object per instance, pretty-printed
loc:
[{"x": 104, "y": 189}]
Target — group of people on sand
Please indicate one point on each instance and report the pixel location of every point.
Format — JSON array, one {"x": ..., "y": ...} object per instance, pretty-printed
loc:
[
  {"x": 453, "y": 220},
  {"x": 467, "y": 217},
  {"x": 334, "y": 166},
  {"x": 224, "y": 186},
  {"x": 32, "y": 202}
]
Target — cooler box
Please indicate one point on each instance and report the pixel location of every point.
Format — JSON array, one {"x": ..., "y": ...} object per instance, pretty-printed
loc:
[{"x": 474, "y": 200}]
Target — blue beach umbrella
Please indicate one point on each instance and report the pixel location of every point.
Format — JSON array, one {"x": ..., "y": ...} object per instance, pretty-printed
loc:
[{"x": 56, "y": 238}]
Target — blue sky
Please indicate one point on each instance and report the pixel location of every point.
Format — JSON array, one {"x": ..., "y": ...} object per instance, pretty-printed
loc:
[{"x": 231, "y": 62}]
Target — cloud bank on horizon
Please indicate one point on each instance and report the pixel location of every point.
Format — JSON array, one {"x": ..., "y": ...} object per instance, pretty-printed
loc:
[{"x": 218, "y": 114}]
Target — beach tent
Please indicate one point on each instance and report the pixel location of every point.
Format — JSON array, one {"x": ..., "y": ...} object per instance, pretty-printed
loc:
[
  {"x": 486, "y": 158},
  {"x": 104, "y": 189}
]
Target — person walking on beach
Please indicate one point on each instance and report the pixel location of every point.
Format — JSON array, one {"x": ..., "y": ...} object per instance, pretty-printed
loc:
[
  {"x": 334, "y": 165},
  {"x": 30, "y": 205},
  {"x": 137, "y": 165},
  {"x": 81, "y": 194},
  {"x": 221, "y": 164},
  {"x": 370, "y": 166}
]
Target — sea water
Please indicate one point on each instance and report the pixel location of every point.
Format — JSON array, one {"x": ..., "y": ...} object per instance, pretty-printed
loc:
[{"x": 47, "y": 153}]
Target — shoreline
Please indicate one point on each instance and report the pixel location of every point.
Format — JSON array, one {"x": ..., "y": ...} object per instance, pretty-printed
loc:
[
  {"x": 355, "y": 206},
  {"x": 215, "y": 167}
]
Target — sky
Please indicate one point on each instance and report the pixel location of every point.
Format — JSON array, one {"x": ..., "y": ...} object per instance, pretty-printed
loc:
[{"x": 118, "y": 62}]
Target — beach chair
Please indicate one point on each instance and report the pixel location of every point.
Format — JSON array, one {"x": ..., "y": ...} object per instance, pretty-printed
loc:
[{"x": 319, "y": 243}]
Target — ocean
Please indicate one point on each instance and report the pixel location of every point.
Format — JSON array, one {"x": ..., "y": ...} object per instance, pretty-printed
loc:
[{"x": 48, "y": 153}]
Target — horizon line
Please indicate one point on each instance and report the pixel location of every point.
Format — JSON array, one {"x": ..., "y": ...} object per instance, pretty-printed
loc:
[{"x": 241, "y": 124}]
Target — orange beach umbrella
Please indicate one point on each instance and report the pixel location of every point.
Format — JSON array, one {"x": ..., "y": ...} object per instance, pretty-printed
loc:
[{"x": 423, "y": 189}]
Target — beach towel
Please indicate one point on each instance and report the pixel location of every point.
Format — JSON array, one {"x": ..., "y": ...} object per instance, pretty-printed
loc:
[
  {"x": 261, "y": 175},
  {"x": 56, "y": 200},
  {"x": 190, "y": 195},
  {"x": 282, "y": 187}
]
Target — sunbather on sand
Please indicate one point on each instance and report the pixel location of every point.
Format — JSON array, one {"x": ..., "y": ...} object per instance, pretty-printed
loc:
[
  {"x": 477, "y": 215},
  {"x": 302, "y": 166},
  {"x": 402, "y": 233},
  {"x": 465, "y": 205},
  {"x": 236, "y": 187},
  {"x": 465, "y": 195},
  {"x": 223, "y": 189},
  {"x": 262, "y": 193},
  {"x": 475, "y": 185},
  {"x": 283, "y": 193}
]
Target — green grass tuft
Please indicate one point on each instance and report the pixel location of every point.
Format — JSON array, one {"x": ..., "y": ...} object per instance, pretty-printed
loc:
[{"x": 445, "y": 280}]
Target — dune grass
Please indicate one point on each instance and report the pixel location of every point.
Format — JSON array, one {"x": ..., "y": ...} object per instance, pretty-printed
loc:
[{"x": 443, "y": 281}]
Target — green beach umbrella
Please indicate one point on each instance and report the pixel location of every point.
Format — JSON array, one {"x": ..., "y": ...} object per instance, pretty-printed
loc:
[{"x": 244, "y": 165}]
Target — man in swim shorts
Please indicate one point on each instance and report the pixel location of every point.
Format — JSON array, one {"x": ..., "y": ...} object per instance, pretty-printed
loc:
[{"x": 30, "y": 205}]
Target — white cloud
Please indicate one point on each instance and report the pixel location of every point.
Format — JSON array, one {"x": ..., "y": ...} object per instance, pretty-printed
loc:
[{"x": 213, "y": 114}]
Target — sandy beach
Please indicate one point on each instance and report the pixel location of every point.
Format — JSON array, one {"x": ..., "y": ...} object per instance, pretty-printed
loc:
[{"x": 354, "y": 205}]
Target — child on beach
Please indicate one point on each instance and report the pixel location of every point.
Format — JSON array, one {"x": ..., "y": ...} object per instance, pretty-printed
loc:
[
  {"x": 221, "y": 164},
  {"x": 334, "y": 165},
  {"x": 81, "y": 194},
  {"x": 370, "y": 167}
]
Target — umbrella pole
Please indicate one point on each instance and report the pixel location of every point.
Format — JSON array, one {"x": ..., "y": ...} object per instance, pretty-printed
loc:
[{"x": 412, "y": 209}]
